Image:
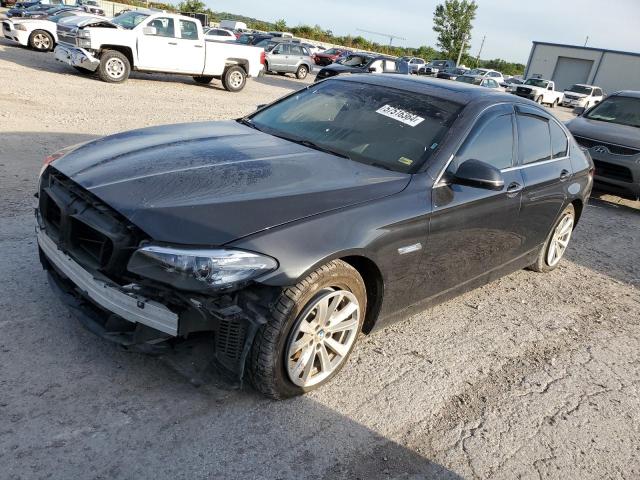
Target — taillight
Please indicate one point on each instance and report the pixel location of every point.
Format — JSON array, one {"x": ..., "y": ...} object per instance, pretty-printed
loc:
[{"x": 262, "y": 58}]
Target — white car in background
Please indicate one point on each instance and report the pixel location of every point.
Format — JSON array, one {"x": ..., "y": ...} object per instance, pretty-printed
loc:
[
  {"x": 487, "y": 73},
  {"x": 584, "y": 96},
  {"x": 38, "y": 33},
  {"x": 219, "y": 35}
]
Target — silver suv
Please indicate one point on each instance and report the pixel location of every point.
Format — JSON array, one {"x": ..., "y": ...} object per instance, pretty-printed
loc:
[{"x": 289, "y": 58}]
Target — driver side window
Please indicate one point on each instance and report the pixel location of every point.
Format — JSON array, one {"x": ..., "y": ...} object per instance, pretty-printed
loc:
[
  {"x": 490, "y": 141},
  {"x": 164, "y": 27}
]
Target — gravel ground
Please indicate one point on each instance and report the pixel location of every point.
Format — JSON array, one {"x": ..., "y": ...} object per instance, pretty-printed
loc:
[{"x": 533, "y": 376}]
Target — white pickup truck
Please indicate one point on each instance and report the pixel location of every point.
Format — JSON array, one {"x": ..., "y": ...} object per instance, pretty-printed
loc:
[
  {"x": 540, "y": 91},
  {"x": 152, "y": 41}
]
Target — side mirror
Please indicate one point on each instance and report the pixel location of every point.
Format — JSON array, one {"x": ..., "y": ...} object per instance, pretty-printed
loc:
[
  {"x": 579, "y": 111},
  {"x": 150, "y": 31},
  {"x": 475, "y": 173}
]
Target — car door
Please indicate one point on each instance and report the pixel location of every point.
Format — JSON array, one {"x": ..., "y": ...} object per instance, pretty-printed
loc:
[
  {"x": 158, "y": 50},
  {"x": 190, "y": 47},
  {"x": 546, "y": 172},
  {"x": 473, "y": 231},
  {"x": 277, "y": 58},
  {"x": 296, "y": 57}
]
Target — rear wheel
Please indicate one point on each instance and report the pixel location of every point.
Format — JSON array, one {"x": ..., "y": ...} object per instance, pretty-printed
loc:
[
  {"x": 553, "y": 249},
  {"x": 302, "y": 72},
  {"x": 555, "y": 103},
  {"x": 203, "y": 79},
  {"x": 539, "y": 100},
  {"x": 234, "y": 78},
  {"x": 41, "y": 41},
  {"x": 310, "y": 333},
  {"x": 114, "y": 67}
]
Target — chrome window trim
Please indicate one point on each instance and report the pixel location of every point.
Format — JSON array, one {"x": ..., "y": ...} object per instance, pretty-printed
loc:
[{"x": 533, "y": 164}]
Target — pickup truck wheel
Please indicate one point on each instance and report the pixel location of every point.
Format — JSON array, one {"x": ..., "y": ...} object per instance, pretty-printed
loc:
[
  {"x": 204, "y": 80},
  {"x": 114, "y": 67},
  {"x": 302, "y": 72},
  {"x": 234, "y": 78},
  {"x": 41, "y": 41},
  {"x": 539, "y": 100},
  {"x": 310, "y": 332}
]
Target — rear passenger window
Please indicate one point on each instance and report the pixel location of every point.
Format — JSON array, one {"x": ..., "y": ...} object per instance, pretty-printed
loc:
[
  {"x": 296, "y": 50},
  {"x": 188, "y": 30},
  {"x": 559, "y": 141},
  {"x": 534, "y": 142},
  {"x": 491, "y": 142}
]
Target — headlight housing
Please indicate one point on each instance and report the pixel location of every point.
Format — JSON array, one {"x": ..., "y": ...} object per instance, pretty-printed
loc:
[
  {"x": 201, "y": 270},
  {"x": 84, "y": 34},
  {"x": 19, "y": 26}
]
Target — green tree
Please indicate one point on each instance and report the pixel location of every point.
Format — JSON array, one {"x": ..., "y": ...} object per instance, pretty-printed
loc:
[
  {"x": 281, "y": 25},
  {"x": 195, "y": 6},
  {"x": 452, "y": 21}
]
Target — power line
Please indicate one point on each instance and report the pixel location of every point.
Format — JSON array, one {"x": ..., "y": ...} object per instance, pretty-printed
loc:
[{"x": 388, "y": 35}]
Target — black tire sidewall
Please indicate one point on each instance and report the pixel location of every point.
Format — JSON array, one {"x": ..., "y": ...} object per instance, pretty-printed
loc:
[
  {"x": 227, "y": 74},
  {"x": 103, "y": 60},
  {"x": 541, "y": 264},
  {"x": 43, "y": 32}
]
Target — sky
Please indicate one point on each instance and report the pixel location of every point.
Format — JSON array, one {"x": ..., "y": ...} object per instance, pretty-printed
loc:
[{"x": 509, "y": 25}]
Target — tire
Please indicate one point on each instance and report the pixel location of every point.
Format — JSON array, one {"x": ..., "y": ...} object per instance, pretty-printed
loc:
[
  {"x": 114, "y": 67},
  {"x": 543, "y": 263},
  {"x": 204, "y": 80},
  {"x": 539, "y": 100},
  {"x": 234, "y": 78},
  {"x": 302, "y": 72},
  {"x": 555, "y": 103},
  {"x": 269, "y": 365},
  {"x": 266, "y": 66},
  {"x": 41, "y": 40}
]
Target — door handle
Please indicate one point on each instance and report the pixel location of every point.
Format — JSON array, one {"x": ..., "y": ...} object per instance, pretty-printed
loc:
[
  {"x": 173, "y": 43},
  {"x": 564, "y": 174},
  {"x": 513, "y": 188}
]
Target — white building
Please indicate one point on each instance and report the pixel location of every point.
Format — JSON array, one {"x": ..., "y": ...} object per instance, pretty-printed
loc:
[{"x": 568, "y": 64}]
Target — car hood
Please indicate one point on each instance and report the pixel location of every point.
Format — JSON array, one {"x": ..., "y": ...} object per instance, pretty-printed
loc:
[
  {"x": 212, "y": 183},
  {"x": 606, "y": 132}
]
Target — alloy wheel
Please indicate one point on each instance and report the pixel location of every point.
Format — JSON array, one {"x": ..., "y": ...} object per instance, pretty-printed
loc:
[
  {"x": 560, "y": 240},
  {"x": 322, "y": 337},
  {"x": 41, "y": 41}
]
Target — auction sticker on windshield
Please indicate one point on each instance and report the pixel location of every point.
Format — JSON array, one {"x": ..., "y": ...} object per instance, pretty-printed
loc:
[{"x": 400, "y": 115}]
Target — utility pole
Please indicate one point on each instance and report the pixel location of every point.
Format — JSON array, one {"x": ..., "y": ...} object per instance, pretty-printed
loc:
[
  {"x": 480, "y": 51},
  {"x": 586, "y": 40},
  {"x": 461, "y": 49}
]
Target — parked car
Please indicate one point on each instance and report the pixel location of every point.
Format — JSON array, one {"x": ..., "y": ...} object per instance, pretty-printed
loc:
[
  {"x": 511, "y": 83},
  {"x": 153, "y": 41},
  {"x": 480, "y": 81},
  {"x": 415, "y": 63},
  {"x": 252, "y": 38},
  {"x": 452, "y": 73},
  {"x": 434, "y": 66},
  {"x": 359, "y": 63},
  {"x": 21, "y": 8},
  {"x": 39, "y": 34},
  {"x": 488, "y": 73},
  {"x": 330, "y": 55},
  {"x": 233, "y": 25},
  {"x": 286, "y": 35},
  {"x": 540, "y": 91},
  {"x": 313, "y": 49},
  {"x": 45, "y": 11},
  {"x": 610, "y": 131},
  {"x": 219, "y": 35},
  {"x": 354, "y": 202},
  {"x": 584, "y": 96},
  {"x": 289, "y": 57}
]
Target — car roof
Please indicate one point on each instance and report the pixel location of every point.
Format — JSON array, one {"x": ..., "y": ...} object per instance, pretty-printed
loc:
[
  {"x": 627, "y": 93},
  {"x": 458, "y": 92}
]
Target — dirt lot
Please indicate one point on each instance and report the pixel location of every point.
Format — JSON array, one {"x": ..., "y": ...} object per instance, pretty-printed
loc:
[{"x": 533, "y": 376}]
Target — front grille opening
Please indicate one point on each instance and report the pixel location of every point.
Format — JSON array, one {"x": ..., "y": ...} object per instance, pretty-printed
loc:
[
  {"x": 230, "y": 339},
  {"x": 614, "y": 172},
  {"x": 615, "y": 149},
  {"x": 91, "y": 243}
]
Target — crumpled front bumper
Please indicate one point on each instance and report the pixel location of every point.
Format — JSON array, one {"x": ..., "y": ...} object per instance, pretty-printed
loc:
[{"x": 76, "y": 57}]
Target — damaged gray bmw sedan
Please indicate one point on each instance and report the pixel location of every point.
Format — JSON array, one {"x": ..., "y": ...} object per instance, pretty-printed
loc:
[{"x": 282, "y": 236}]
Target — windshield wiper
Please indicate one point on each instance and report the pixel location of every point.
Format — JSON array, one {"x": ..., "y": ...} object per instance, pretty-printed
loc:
[
  {"x": 248, "y": 123},
  {"x": 310, "y": 144}
]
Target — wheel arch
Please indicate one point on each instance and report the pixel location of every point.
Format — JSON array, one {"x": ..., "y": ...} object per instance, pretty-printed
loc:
[
  {"x": 241, "y": 62},
  {"x": 126, "y": 51},
  {"x": 578, "y": 206},
  {"x": 374, "y": 285}
]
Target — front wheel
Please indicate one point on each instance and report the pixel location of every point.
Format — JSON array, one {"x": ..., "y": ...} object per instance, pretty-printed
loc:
[
  {"x": 234, "y": 78},
  {"x": 302, "y": 72},
  {"x": 310, "y": 332},
  {"x": 114, "y": 67},
  {"x": 41, "y": 41},
  {"x": 553, "y": 249}
]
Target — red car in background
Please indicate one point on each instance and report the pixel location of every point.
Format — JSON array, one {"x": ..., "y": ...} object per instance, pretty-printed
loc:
[{"x": 329, "y": 56}]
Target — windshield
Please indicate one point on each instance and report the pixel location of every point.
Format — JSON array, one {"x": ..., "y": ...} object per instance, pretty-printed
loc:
[
  {"x": 478, "y": 71},
  {"x": 581, "y": 89},
  {"x": 536, "y": 82},
  {"x": 439, "y": 63},
  {"x": 617, "y": 109},
  {"x": 468, "y": 79},
  {"x": 392, "y": 129},
  {"x": 332, "y": 51},
  {"x": 355, "y": 60},
  {"x": 129, "y": 20}
]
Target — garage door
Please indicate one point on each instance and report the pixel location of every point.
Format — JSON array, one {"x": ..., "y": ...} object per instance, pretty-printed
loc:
[{"x": 571, "y": 70}]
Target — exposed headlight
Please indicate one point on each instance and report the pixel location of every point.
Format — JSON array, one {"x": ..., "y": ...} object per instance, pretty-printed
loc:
[
  {"x": 83, "y": 42},
  {"x": 84, "y": 34},
  {"x": 20, "y": 26},
  {"x": 199, "y": 269}
]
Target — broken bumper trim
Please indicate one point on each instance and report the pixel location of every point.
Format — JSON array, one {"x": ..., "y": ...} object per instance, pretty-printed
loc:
[
  {"x": 135, "y": 310},
  {"x": 76, "y": 57}
]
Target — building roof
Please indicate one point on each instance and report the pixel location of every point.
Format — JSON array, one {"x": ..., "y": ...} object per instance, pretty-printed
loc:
[{"x": 580, "y": 47}]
